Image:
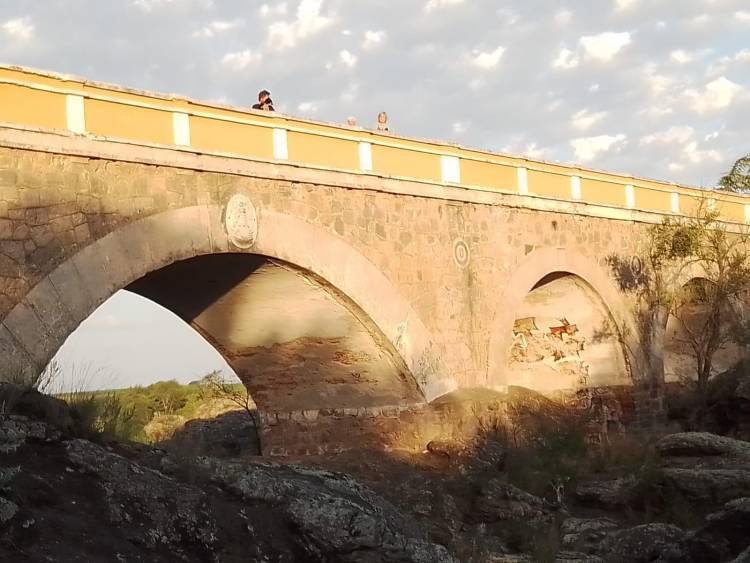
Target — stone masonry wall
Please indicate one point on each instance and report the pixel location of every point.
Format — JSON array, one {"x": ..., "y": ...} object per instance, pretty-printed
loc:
[{"x": 453, "y": 261}]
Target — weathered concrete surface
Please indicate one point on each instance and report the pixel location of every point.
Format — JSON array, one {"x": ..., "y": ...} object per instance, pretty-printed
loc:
[{"x": 437, "y": 273}]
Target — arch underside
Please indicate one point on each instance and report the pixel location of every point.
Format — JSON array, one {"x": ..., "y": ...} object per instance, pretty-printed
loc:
[
  {"x": 688, "y": 321},
  {"x": 34, "y": 330},
  {"x": 564, "y": 338},
  {"x": 560, "y": 286},
  {"x": 293, "y": 344}
]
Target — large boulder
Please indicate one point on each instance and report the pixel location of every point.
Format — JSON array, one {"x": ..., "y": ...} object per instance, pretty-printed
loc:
[
  {"x": 16, "y": 430},
  {"x": 640, "y": 544},
  {"x": 499, "y": 501},
  {"x": 337, "y": 518},
  {"x": 724, "y": 536},
  {"x": 229, "y": 434},
  {"x": 150, "y": 508},
  {"x": 606, "y": 493},
  {"x": 585, "y": 534},
  {"x": 697, "y": 444},
  {"x": 708, "y": 486},
  {"x": 8, "y": 510}
]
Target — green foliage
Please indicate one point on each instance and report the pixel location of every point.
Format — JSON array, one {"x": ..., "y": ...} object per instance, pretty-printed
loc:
[
  {"x": 703, "y": 248},
  {"x": 738, "y": 178},
  {"x": 122, "y": 414},
  {"x": 551, "y": 448},
  {"x": 658, "y": 499}
]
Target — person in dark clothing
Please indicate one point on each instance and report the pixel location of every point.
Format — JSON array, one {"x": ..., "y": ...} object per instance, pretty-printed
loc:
[{"x": 264, "y": 101}]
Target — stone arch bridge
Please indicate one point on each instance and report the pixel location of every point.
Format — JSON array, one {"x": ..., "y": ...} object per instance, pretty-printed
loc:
[{"x": 437, "y": 250}]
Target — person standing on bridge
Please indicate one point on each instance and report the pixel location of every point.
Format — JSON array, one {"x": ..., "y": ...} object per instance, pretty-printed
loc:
[
  {"x": 382, "y": 122},
  {"x": 264, "y": 101}
]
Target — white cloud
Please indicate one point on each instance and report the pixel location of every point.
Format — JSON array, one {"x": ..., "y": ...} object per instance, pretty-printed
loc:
[
  {"x": 742, "y": 16},
  {"x": 583, "y": 120},
  {"x": 604, "y": 46},
  {"x": 563, "y": 17},
  {"x": 435, "y": 4},
  {"x": 149, "y": 5},
  {"x": 217, "y": 27},
  {"x": 487, "y": 60},
  {"x": 19, "y": 28},
  {"x": 460, "y": 127},
  {"x": 622, "y": 5},
  {"x": 682, "y": 138},
  {"x": 697, "y": 156},
  {"x": 588, "y": 148},
  {"x": 277, "y": 10},
  {"x": 681, "y": 56},
  {"x": 718, "y": 94},
  {"x": 711, "y": 136},
  {"x": 566, "y": 59},
  {"x": 308, "y": 22},
  {"x": 350, "y": 93},
  {"x": 679, "y": 134},
  {"x": 240, "y": 60},
  {"x": 373, "y": 39},
  {"x": 347, "y": 58},
  {"x": 307, "y": 107},
  {"x": 533, "y": 150}
]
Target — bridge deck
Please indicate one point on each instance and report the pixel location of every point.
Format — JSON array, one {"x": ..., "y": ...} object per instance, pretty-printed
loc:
[{"x": 50, "y": 101}]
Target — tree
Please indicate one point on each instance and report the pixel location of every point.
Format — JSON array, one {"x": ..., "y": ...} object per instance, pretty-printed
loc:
[
  {"x": 703, "y": 245},
  {"x": 216, "y": 386},
  {"x": 738, "y": 179}
]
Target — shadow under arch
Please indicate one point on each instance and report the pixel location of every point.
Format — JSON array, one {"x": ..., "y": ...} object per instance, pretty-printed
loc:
[
  {"x": 545, "y": 264},
  {"x": 38, "y": 325}
]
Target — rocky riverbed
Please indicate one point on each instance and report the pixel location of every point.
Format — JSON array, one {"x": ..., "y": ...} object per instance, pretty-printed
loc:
[{"x": 66, "y": 499}]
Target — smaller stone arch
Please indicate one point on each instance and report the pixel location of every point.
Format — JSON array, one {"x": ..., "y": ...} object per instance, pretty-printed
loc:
[
  {"x": 679, "y": 357},
  {"x": 540, "y": 265}
]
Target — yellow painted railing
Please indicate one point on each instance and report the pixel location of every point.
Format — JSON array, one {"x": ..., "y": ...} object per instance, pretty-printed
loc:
[{"x": 46, "y": 100}]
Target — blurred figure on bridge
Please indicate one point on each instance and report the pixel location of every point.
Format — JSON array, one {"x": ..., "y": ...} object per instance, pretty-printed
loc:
[
  {"x": 264, "y": 101},
  {"x": 382, "y": 122},
  {"x": 351, "y": 121}
]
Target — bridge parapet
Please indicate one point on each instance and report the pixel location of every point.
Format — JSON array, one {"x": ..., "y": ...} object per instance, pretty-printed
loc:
[{"x": 36, "y": 99}]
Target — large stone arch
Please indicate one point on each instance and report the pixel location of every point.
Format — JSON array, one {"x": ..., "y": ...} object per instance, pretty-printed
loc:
[
  {"x": 38, "y": 325},
  {"x": 536, "y": 266}
]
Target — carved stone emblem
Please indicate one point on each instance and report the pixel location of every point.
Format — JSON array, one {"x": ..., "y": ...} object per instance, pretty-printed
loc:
[
  {"x": 461, "y": 253},
  {"x": 241, "y": 221}
]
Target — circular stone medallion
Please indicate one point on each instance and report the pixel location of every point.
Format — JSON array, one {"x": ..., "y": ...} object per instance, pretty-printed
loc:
[
  {"x": 241, "y": 221},
  {"x": 461, "y": 253}
]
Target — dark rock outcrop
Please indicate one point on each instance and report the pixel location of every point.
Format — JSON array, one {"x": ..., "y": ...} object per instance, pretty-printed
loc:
[
  {"x": 724, "y": 536},
  {"x": 585, "y": 534},
  {"x": 640, "y": 544},
  {"x": 336, "y": 517},
  {"x": 708, "y": 486},
  {"x": 698, "y": 444},
  {"x": 499, "y": 501}
]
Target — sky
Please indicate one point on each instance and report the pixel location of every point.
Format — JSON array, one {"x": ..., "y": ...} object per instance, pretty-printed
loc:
[{"x": 653, "y": 88}]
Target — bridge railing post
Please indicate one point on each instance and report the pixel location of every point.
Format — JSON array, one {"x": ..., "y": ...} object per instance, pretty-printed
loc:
[
  {"x": 75, "y": 113},
  {"x": 674, "y": 202},
  {"x": 450, "y": 169},
  {"x": 629, "y": 196},
  {"x": 365, "y": 156},
  {"x": 280, "y": 147},
  {"x": 575, "y": 187},
  {"x": 181, "y": 128},
  {"x": 522, "y": 180}
]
